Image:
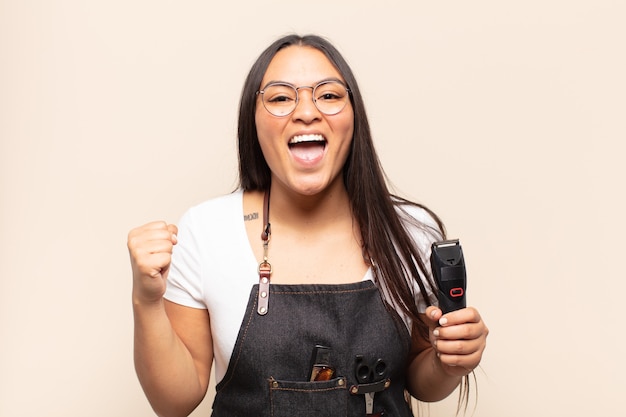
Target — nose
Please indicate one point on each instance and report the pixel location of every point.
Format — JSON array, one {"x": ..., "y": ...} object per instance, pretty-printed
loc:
[{"x": 306, "y": 110}]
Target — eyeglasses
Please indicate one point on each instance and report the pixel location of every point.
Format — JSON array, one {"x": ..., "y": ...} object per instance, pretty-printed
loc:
[{"x": 280, "y": 99}]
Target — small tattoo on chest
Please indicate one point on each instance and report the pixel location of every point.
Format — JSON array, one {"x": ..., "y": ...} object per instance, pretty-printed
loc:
[{"x": 251, "y": 216}]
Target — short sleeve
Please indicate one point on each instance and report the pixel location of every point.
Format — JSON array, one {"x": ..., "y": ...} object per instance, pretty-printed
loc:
[{"x": 184, "y": 283}]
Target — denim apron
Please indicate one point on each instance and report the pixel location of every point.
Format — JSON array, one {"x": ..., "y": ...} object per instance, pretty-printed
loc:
[{"x": 268, "y": 373}]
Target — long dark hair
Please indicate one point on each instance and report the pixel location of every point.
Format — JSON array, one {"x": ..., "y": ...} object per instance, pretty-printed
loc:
[{"x": 399, "y": 263}]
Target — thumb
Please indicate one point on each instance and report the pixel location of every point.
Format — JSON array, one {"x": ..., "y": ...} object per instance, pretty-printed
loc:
[
  {"x": 174, "y": 231},
  {"x": 433, "y": 314}
]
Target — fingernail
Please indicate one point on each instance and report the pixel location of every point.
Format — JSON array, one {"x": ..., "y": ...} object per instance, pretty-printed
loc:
[
  {"x": 443, "y": 321},
  {"x": 436, "y": 332}
]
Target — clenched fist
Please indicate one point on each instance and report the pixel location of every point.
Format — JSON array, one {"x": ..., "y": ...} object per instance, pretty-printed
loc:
[{"x": 150, "y": 248}]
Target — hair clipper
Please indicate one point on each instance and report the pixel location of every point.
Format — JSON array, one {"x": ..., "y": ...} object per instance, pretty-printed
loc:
[{"x": 448, "y": 267}]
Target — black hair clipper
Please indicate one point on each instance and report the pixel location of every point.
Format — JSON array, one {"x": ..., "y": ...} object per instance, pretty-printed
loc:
[{"x": 448, "y": 266}]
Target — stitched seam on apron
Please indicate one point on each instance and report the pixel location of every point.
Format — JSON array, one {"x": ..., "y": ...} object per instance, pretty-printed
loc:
[
  {"x": 308, "y": 390},
  {"x": 323, "y": 291}
]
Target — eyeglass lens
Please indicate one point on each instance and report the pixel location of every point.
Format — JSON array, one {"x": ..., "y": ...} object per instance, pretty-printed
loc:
[{"x": 281, "y": 99}]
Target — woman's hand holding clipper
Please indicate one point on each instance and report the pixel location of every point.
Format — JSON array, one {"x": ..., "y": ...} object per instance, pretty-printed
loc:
[{"x": 459, "y": 338}]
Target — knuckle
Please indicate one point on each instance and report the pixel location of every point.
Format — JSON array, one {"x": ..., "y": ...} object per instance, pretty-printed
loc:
[
  {"x": 132, "y": 242},
  {"x": 475, "y": 314},
  {"x": 453, "y": 360},
  {"x": 466, "y": 333}
]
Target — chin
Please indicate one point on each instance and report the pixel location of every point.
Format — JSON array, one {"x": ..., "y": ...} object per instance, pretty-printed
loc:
[{"x": 314, "y": 188}]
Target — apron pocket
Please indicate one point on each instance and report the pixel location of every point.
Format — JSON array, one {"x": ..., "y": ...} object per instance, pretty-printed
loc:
[{"x": 308, "y": 399}]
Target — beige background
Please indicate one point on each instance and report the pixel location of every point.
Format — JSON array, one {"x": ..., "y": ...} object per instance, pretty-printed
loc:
[{"x": 507, "y": 118}]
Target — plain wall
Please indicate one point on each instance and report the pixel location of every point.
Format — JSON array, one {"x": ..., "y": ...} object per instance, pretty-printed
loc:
[{"x": 506, "y": 118}]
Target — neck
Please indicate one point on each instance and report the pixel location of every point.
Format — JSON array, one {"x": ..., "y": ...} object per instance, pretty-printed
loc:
[{"x": 309, "y": 211}]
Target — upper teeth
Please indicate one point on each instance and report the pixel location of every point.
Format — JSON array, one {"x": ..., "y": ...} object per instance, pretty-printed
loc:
[{"x": 307, "y": 138}]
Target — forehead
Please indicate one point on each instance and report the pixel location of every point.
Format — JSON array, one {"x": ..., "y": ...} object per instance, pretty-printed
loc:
[{"x": 300, "y": 65}]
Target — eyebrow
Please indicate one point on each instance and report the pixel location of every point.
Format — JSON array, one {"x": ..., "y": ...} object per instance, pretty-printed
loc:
[{"x": 313, "y": 85}]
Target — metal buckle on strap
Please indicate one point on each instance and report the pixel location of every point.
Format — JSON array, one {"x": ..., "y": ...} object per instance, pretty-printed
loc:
[{"x": 265, "y": 270}]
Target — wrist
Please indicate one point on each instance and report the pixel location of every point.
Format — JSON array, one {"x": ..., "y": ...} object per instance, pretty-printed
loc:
[
  {"x": 430, "y": 380},
  {"x": 142, "y": 303},
  {"x": 449, "y": 371}
]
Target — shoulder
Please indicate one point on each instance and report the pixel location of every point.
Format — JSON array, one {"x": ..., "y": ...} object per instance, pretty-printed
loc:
[
  {"x": 215, "y": 210},
  {"x": 212, "y": 219}
]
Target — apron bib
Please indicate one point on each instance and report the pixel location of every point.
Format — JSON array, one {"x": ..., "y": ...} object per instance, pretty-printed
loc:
[{"x": 268, "y": 373}]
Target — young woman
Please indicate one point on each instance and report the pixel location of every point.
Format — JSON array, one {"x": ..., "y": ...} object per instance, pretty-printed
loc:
[{"x": 310, "y": 265}]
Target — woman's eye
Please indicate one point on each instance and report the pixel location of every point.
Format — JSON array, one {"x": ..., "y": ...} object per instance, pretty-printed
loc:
[
  {"x": 329, "y": 96},
  {"x": 279, "y": 94},
  {"x": 280, "y": 99}
]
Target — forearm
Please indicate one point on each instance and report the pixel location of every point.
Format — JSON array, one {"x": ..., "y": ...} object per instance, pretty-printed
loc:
[
  {"x": 427, "y": 381},
  {"x": 164, "y": 366}
]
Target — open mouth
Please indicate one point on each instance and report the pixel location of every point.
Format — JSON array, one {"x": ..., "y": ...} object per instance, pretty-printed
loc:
[{"x": 307, "y": 147}]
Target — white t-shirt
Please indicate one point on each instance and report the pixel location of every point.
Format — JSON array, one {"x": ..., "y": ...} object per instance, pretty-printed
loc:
[{"x": 214, "y": 267}]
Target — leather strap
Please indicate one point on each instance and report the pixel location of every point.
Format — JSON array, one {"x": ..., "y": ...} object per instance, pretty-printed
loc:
[
  {"x": 265, "y": 235},
  {"x": 265, "y": 269}
]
